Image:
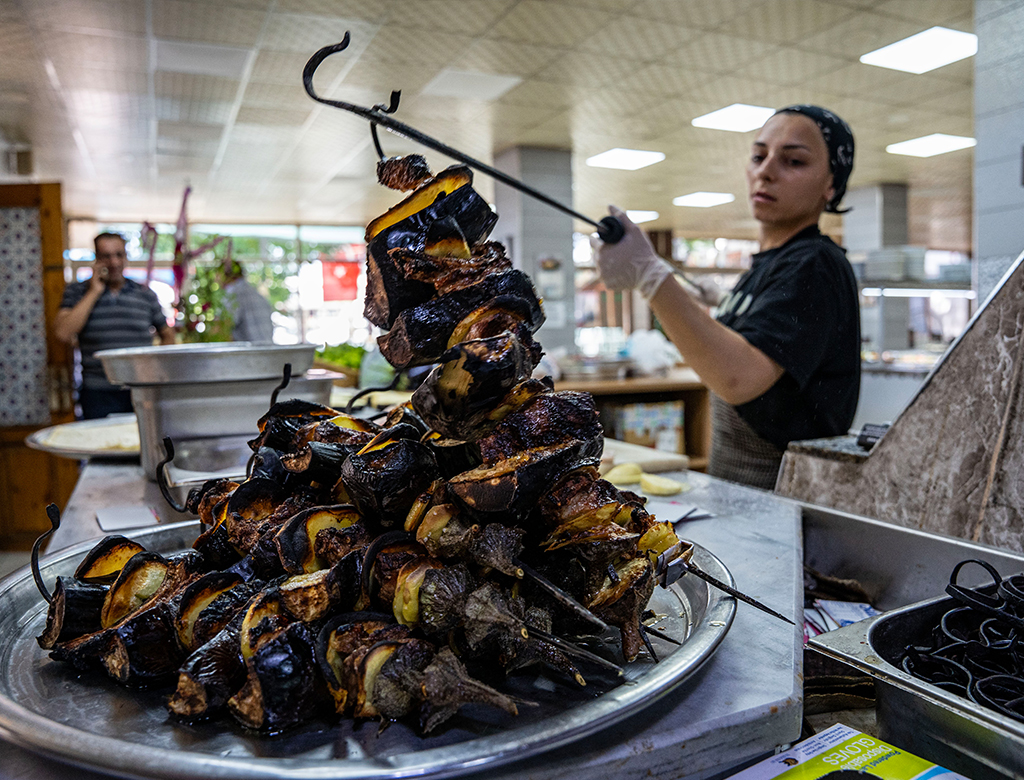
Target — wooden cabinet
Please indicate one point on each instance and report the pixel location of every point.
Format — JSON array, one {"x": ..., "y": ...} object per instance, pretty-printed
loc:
[
  {"x": 679, "y": 385},
  {"x": 29, "y": 479}
]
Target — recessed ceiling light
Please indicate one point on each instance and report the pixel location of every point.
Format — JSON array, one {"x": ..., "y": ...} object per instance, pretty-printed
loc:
[
  {"x": 636, "y": 217},
  {"x": 470, "y": 85},
  {"x": 703, "y": 200},
  {"x": 737, "y": 118},
  {"x": 625, "y": 159},
  {"x": 925, "y": 51},
  {"x": 931, "y": 145}
]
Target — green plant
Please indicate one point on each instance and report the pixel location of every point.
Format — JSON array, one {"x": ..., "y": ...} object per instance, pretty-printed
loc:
[{"x": 205, "y": 316}]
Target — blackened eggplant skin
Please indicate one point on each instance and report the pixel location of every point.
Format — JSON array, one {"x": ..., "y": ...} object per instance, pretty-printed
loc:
[
  {"x": 209, "y": 676},
  {"x": 144, "y": 647},
  {"x": 283, "y": 685},
  {"x": 73, "y": 612},
  {"x": 250, "y": 504},
  {"x": 296, "y": 539},
  {"x": 216, "y": 547},
  {"x": 623, "y": 602},
  {"x": 471, "y": 379},
  {"x": 388, "y": 292},
  {"x": 452, "y": 456},
  {"x": 137, "y": 583},
  {"x": 420, "y": 334},
  {"x": 223, "y": 610},
  {"x": 319, "y": 461},
  {"x": 509, "y": 489},
  {"x": 405, "y": 414},
  {"x": 403, "y": 173},
  {"x": 284, "y": 419},
  {"x": 442, "y": 596},
  {"x": 545, "y": 420},
  {"x": 105, "y": 560},
  {"x": 384, "y": 480}
]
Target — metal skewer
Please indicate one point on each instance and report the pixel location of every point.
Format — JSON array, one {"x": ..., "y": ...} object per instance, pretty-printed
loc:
[
  {"x": 609, "y": 229},
  {"x": 689, "y": 568}
]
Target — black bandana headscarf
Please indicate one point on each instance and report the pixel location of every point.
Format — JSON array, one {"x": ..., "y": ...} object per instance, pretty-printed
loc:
[{"x": 839, "y": 140}]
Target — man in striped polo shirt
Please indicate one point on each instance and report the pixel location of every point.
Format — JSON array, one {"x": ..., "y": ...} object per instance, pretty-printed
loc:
[{"x": 108, "y": 311}]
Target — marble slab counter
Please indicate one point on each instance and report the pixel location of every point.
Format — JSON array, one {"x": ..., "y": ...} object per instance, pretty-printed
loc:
[{"x": 739, "y": 707}]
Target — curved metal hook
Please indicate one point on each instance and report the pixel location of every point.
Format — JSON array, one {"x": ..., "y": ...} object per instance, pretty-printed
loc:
[
  {"x": 609, "y": 228},
  {"x": 284, "y": 383},
  {"x": 161, "y": 476},
  {"x": 53, "y": 513},
  {"x": 392, "y": 107},
  {"x": 368, "y": 390}
]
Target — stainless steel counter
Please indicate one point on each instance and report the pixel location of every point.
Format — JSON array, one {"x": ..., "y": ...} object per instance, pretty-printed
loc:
[{"x": 740, "y": 706}]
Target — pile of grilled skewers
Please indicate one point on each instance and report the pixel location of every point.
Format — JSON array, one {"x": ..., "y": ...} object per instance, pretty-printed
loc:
[{"x": 364, "y": 567}]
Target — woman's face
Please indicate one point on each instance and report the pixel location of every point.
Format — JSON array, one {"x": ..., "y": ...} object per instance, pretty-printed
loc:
[{"x": 788, "y": 175}]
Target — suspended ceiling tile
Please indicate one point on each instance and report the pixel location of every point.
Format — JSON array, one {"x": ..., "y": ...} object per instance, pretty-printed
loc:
[
  {"x": 504, "y": 57},
  {"x": 853, "y": 36},
  {"x": 551, "y": 24},
  {"x": 206, "y": 22},
  {"x": 435, "y": 18},
  {"x": 273, "y": 116},
  {"x": 928, "y": 12},
  {"x": 642, "y": 40},
  {"x": 75, "y": 50},
  {"x": 285, "y": 68},
  {"x": 194, "y": 87},
  {"x": 716, "y": 52},
  {"x": 402, "y": 47},
  {"x": 306, "y": 33},
  {"x": 704, "y": 15},
  {"x": 533, "y": 92},
  {"x": 200, "y": 111},
  {"x": 372, "y": 11},
  {"x": 131, "y": 82},
  {"x": 789, "y": 21},
  {"x": 278, "y": 97},
  {"x": 203, "y": 132},
  {"x": 587, "y": 71},
  {"x": 124, "y": 16},
  {"x": 168, "y": 163},
  {"x": 186, "y": 147},
  {"x": 247, "y": 136},
  {"x": 663, "y": 81},
  {"x": 611, "y": 6},
  {"x": 791, "y": 66}
]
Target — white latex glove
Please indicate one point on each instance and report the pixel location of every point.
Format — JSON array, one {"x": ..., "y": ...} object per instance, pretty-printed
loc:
[
  {"x": 706, "y": 290},
  {"x": 632, "y": 263}
]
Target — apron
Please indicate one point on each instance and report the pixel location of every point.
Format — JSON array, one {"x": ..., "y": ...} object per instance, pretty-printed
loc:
[{"x": 738, "y": 454}]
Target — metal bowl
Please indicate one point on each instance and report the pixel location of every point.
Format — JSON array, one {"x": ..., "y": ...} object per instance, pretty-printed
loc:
[{"x": 178, "y": 364}]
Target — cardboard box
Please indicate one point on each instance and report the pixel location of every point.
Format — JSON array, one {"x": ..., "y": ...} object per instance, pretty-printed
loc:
[
  {"x": 658, "y": 425},
  {"x": 842, "y": 749}
]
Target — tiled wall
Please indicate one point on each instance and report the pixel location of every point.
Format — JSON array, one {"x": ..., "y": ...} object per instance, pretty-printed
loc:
[
  {"x": 23, "y": 374},
  {"x": 999, "y": 128}
]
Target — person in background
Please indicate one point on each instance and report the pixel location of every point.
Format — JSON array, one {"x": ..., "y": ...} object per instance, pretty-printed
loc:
[
  {"x": 782, "y": 358},
  {"x": 108, "y": 311},
  {"x": 250, "y": 310}
]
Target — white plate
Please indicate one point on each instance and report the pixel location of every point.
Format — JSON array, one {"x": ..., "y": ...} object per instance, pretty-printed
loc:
[{"x": 114, "y": 436}]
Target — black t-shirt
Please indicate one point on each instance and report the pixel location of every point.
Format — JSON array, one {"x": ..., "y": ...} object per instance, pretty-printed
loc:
[{"x": 799, "y": 305}]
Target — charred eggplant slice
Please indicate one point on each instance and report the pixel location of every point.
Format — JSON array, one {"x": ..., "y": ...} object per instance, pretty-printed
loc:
[
  {"x": 384, "y": 478},
  {"x": 458, "y": 395},
  {"x": 138, "y": 582},
  {"x": 197, "y": 598},
  {"x": 296, "y": 540},
  {"x": 210, "y": 675},
  {"x": 511, "y": 487},
  {"x": 420, "y": 334},
  {"x": 74, "y": 611},
  {"x": 104, "y": 562}
]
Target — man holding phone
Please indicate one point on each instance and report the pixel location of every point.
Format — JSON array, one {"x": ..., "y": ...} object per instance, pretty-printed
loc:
[{"x": 108, "y": 311}]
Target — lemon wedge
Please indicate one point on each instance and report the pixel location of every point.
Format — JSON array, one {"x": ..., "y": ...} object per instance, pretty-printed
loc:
[{"x": 654, "y": 485}]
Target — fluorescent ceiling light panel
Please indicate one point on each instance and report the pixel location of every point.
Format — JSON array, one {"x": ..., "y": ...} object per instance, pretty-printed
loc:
[
  {"x": 625, "y": 159},
  {"x": 931, "y": 145},
  {"x": 470, "y": 85},
  {"x": 704, "y": 200},
  {"x": 204, "y": 59},
  {"x": 925, "y": 51},
  {"x": 642, "y": 216},
  {"x": 737, "y": 118}
]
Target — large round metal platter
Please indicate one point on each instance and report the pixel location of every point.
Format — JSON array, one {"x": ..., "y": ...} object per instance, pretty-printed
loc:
[{"x": 86, "y": 719}]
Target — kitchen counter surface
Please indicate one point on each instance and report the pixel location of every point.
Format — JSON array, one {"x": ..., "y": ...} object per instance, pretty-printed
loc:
[{"x": 744, "y": 702}]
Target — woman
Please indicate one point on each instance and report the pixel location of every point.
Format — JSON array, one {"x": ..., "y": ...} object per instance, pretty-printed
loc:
[{"x": 783, "y": 357}]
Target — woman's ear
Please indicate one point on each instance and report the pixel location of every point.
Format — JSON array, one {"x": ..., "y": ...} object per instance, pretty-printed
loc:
[{"x": 830, "y": 192}]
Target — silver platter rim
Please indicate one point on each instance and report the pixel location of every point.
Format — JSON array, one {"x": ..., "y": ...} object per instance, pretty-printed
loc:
[{"x": 22, "y": 611}]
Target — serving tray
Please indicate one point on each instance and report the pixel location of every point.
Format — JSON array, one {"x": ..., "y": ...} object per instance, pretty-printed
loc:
[{"x": 86, "y": 719}]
